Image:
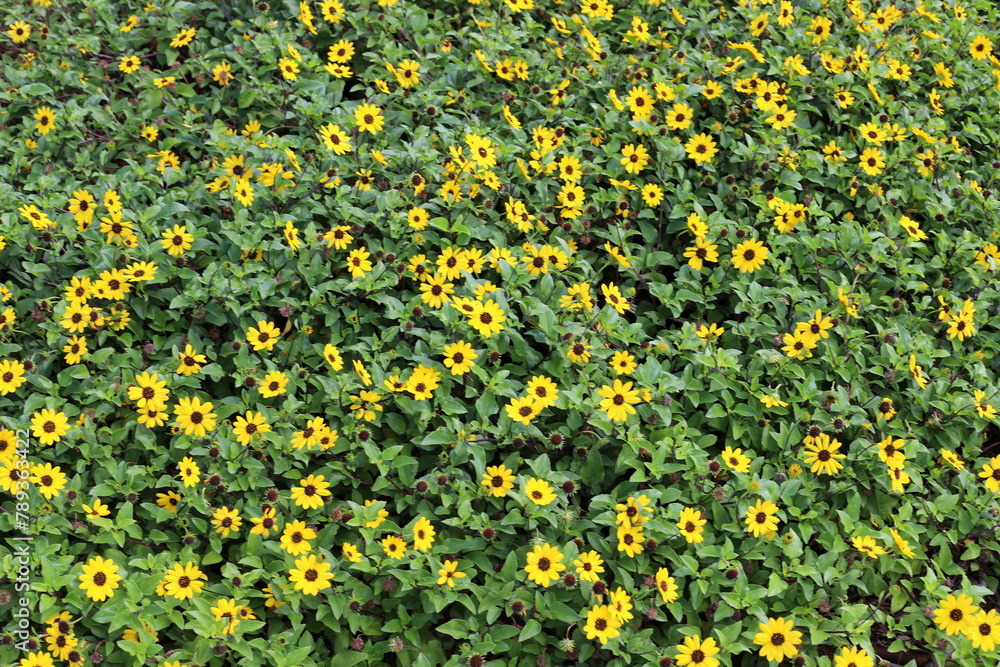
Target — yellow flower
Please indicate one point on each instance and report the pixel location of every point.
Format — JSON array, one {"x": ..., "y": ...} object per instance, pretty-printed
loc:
[
  {"x": 448, "y": 574},
  {"x": 778, "y": 639},
  {"x": 544, "y": 563},
  {"x": 539, "y": 492}
]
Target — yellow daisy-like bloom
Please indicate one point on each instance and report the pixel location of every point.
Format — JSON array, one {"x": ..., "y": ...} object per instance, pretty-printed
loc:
[
  {"x": 618, "y": 400},
  {"x": 544, "y": 565},
  {"x": 381, "y": 516},
  {"x": 872, "y": 160},
  {"x": 952, "y": 459},
  {"x": 697, "y": 652},
  {"x": 448, "y": 574},
  {"x": 539, "y": 492},
  {"x": 901, "y": 544},
  {"x": 601, "y": 624},
  {"x": 867, "y": 545},
  {"x": 498, "y": 480},
  {"x": 129, "y": 64},
  {"x": 168, "y": 500},
  {"x": 310, "y": 575},
  {"x": 588, "y": 566},
  {"x": 48, "y": 478},
  {"x": 984, "y": 630},
  {"x": 423, "y": 534},
  {"x": 666, "y": 585},
  {"x": 264, "y": 524},
  {"x": 183, "y": 581},
  {"x": 981, "y": 47},
  {"x": 19, "y": 31},
  {"x": 311, "y": 492},
  {"x": 366, "y": 405},
  {"x": 222, "y": 74},
  {"x": 247, "y": 426},
  {"x": 777, "y": 639},
  {"x": 761, "y": 518},
  {"x": 691, "y": 524},
  {"x": 49, "y": 426},
  {"x": 350, "y": 552},
  {"x": 750, "y": 255},
  {"x": 177, "y": 240},
  {"x": 226, "y": 520},
  {"x": 487, "y": 318},
  {"x": 194, "y": 416},
  {"x": 46, "y": 120},
  {"x": 358, "y": 263},
  {"x": 183, "y": 38},
  {"x": 890, "y": 451},
  {"x": 369, "y": 118},
  {"x": 885, "y": 410},
  {"x": 189, "y": 472},
  {"x": 100, "y": 578},
  {"x": 991, "y": 474},
  {"x": 264, "y": 336},
  {"x": 524, "y": 409},
  {"x": 295, "y": 538},
  {"x": 459, "y": 357},
  {"x": 97, "y": 510},
  {"x": 635, "y": 158},
  {"x": 701, "y": 148},
  {"x": 955, "y": 613},
  {"x": 11, "y": 376},
  {"x": 394, "y": 547},
  {"x": 710, "y": 332},
  {"x": 543, "y": 389},
  {"x": 822, "y": 454},
  {"x": 189, "y": 361},
  {"x": 702, "y": 251},
  {"x": 150, "y": 392},
  {"x": 630, "y": 540},
  {"x": 853, "y": 656},
  {"x": 273, "y": 384},
  {"x": 735, "y": 459}
]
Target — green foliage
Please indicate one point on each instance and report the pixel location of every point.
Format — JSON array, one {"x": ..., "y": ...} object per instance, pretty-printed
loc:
[{"x": 748, "y": 319}]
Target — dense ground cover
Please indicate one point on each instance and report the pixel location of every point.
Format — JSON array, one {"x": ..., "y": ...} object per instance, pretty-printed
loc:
[{"x": 500, "y": 333}]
